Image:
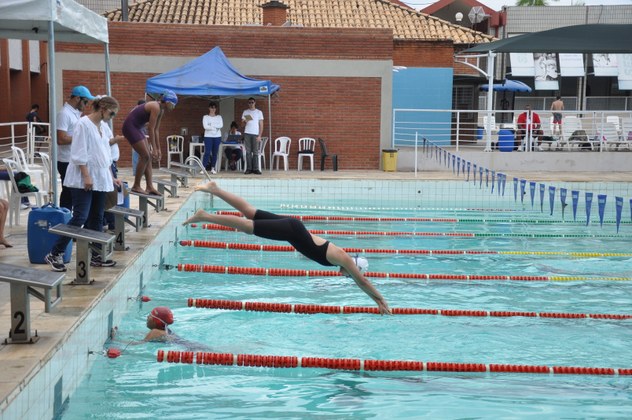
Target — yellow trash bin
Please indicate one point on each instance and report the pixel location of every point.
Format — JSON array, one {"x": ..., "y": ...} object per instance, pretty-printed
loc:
[{"x": 389, "y": 160}]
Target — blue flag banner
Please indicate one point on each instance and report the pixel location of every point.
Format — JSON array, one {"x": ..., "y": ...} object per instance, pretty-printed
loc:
[
  {"x": 589, "y": 197},
  {"x": 468, "y": 171},
  {"x": 503, "y": 184},
  {"x": 463, "y": 167},
  {"x": 458, "y": 165},
  {"x": 493, "y": 180},
  {"x": 551, "y": 198},
  {"x": 619, "y": 208},
  {"x": 480, "y": 177},
  {"x": 542, "y": 189},
  {"x": 473, "y": 172},
  {"x": 515, "y": 189},
  {"x": 523, "y": 184},
  {"x": 487, "y": 178},
  {"x": 601, "y": 207},
  {"x": 532, "y": 189},
  {"x": 453, "y": 160},
  {"x": 563, "y": 192},
  {"x": 575, "y": 198}
]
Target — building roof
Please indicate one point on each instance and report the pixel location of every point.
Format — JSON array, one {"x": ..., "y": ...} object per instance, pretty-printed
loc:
[
  {"x": 406, "y": 23},
  {"x": 434, "y": 7}
]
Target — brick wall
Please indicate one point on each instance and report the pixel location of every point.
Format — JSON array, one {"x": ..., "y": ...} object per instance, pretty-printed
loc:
[
  {"x": 423, "y": 53},
  {"x": 344, "y": 111}
]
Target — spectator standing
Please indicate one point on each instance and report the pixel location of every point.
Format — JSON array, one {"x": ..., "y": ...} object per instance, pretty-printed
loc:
[
  {"x": 556, "y": 107},
  {"x": 149, "y": 113},
  {"x": 212, "y": 123},
  {"x": 89, "y": 177},
  {"x": 252, "y": 118},
  {"x": 67, "y": 118}
]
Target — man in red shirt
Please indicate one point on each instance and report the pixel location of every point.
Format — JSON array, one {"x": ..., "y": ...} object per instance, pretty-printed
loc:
[{"x": 529, "y": 128}]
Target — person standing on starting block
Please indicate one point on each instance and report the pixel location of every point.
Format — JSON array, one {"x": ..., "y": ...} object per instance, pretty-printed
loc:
[{"x": 272, "y": 226}]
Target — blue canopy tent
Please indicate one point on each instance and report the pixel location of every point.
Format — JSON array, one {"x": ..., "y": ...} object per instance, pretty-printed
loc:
[{"x": 212, "y": 75}]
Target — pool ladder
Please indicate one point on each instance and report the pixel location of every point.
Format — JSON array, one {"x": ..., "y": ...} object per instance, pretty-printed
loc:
[{"x": 195, "y": 161}]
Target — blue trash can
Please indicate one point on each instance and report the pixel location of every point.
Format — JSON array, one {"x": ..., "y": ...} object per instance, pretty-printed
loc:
[
  {"x": 506, "y": 140},
  {"x": 39, "y": 240}
]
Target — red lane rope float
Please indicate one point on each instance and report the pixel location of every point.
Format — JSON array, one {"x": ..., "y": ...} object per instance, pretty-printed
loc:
[
  {"x": 256, "y": 360},
  {"x": 287, "y": 272},
  {"x": 212, "y": 226},
  {"x": 289, "y": 248},
  {"x": 352, "y": 219},
  {"x": 298, "y": 308}
]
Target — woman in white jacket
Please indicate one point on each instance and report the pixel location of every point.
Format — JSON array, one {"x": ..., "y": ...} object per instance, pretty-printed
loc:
[
  {"x": 89, "y": 177},
  {"x": 213, "y": 124}
]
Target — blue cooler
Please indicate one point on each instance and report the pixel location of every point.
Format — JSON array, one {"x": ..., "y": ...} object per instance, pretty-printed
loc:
[
  {"x": 39, "y": 241},
  {"x": 506, "y": 140}
]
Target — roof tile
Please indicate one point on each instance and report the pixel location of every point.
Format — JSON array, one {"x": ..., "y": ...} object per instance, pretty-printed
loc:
[{"x": 406, "y": 23}]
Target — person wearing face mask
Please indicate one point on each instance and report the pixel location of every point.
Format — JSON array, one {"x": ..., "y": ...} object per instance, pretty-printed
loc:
[
  {"x": 88, "y": 177},
  {"x": 67, "y": 118}
]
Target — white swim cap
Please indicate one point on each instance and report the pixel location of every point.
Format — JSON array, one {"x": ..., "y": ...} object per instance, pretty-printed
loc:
[{"x": 361, "y": 262}]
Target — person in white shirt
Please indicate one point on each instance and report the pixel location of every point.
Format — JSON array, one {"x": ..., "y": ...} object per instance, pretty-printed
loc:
[
  {"x": 67, "y": 118},
  {"x": 213, "y": 124},
  {"x": 89, "y": 177},
  {"x": 252, "y": 118}
]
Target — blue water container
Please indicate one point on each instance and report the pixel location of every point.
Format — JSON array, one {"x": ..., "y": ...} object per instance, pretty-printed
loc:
[
  {"x": 39, "y": 240},
  {"x": 506, "y": 140}
]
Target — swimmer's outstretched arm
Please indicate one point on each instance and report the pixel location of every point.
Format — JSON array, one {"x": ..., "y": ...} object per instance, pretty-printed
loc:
[{"x": 338, "y": 256}]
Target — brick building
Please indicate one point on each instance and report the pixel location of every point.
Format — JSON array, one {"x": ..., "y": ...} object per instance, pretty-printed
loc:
[{"x": 333, "y": 60}]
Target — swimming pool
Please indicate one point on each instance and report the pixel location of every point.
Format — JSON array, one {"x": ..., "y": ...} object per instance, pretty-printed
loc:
[{"x": 134, "y": 384}]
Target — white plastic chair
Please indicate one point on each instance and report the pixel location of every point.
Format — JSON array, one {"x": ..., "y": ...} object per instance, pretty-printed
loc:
[
  {"x": 626, "y": 132},
  {"x": 281, "y": 151},
  {"x": 609, "y": 134},
  {"x": 15, "y": 197},
  {"x": 570, "y": 124},
  {"x": 35, "y": 171},
  {"x": 47, "y": 169},
  {"x": 261, "y": 153},
  {"x": 306, "y": 146},
  {"x": 614, "y": 119},
  {"x": 175, "y": 146}
]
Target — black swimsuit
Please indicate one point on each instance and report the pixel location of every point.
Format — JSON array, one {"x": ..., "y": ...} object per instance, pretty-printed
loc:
[{"x": 272, "y": 226}]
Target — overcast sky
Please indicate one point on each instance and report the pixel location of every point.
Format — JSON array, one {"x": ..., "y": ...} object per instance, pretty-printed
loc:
[{"x": 498, "y": 4}]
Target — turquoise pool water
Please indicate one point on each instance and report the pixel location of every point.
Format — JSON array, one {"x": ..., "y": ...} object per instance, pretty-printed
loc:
[{"x": 136, "y": 386}]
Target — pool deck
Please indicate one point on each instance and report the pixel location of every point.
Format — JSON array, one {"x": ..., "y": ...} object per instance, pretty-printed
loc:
[{"x": 20, "y": 362}]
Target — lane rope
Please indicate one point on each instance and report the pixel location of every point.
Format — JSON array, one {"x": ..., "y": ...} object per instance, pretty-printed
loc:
[
  {"x": 256, "y": 360},
  {"x": 212, "y": 226},
  {"x": 293, "y": 272},
  {"x": 316, "y": 218},
  {"x": 309, "y": 309},
  {"x": 289, "y": 248}
]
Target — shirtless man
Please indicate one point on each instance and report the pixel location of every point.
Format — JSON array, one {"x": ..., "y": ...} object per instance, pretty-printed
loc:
[
  {"x": 271, "y": 226},
  {"x": 556, "y": 107}
]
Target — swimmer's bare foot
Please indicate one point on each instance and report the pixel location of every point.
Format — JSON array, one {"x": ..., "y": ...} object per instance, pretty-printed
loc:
[
  {"x": 210, "y": 187},
  {"x": 5, "y": 243},
  {"x": 199, "y": 216}
]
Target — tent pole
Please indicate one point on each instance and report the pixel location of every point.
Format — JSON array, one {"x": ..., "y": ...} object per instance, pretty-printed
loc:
[
  {"x": 490, "y": 91},
  {"x": 108, "y": 84},
  {"x": 52, "y": 95},
  {"x": 269, "y": 130}
]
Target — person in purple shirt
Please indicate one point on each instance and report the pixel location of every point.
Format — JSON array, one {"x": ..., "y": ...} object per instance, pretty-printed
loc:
[{"x": 150, "y": 114}]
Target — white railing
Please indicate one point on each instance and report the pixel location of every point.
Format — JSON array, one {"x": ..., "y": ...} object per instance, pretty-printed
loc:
[{"x": 592, "y": 130}]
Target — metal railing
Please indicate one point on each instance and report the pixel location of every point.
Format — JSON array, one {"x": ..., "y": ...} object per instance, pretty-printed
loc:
[{"x": 602, "y": 130}]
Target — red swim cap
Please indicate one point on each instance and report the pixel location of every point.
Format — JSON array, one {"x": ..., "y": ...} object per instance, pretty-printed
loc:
[{"x": 163, "y": 316}]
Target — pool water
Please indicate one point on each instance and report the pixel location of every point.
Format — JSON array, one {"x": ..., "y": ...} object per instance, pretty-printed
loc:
[{"x": 136, "y": 386}]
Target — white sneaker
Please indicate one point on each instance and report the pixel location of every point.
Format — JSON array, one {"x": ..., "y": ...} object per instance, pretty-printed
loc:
[
  {"x": 24, "y": 206},
  {"x": 540, "y": 148},
  {"x": 213, "y": 171}
]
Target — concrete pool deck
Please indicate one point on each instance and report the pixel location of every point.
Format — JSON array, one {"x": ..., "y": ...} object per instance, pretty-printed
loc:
[{"x": 20, "y": 363}]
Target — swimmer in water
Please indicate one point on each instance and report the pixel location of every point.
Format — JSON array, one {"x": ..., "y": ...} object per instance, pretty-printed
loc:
[{"x": 271, "y": 226}]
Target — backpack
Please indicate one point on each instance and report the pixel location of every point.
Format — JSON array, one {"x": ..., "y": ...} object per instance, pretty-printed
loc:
[{"x": 23, "y": 181}]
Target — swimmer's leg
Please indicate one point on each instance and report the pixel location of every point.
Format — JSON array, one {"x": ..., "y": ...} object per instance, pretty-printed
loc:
[
  {"x": 235, "y": 222},
  {"x": 238, "y": 203}
]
